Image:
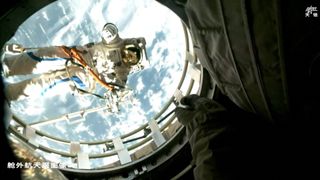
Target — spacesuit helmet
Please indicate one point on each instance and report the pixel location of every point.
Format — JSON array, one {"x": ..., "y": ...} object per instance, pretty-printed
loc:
[
  {"x": 131, "y": 55},
  {"x": 109, "y": 32}
]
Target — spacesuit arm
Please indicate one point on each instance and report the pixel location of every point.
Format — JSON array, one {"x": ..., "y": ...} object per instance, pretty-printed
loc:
[
  {"x": 203, "y": 126},
  {"x": 228, "y": 142}
]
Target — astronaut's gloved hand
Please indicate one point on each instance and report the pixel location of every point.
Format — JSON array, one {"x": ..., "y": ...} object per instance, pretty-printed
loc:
[
  {"x": 13, "y": 48},
  {"x": 196, "y": 110}
]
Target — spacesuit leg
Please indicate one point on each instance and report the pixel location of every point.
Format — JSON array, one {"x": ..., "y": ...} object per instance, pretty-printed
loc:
[
  {"x": 51, "y": 58},
  {"x": 40, "y": 85},
  {"x": 32, "y": 87}
]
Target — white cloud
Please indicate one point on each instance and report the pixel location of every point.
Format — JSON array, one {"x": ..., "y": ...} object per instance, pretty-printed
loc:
[
  {"x": 140, "y": 85},
  {"x": 61, "y": 127},
  {"x": 80, "y": 128},
  {"x": 156, "y": 100}
]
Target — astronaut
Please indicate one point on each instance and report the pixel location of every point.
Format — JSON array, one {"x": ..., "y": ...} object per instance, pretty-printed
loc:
[
  {"x": 108, "y": 62},
  {"x": 226, "y": 141}
]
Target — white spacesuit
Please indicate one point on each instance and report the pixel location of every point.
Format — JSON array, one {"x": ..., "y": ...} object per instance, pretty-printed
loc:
[{"x": 108, "y": 62}]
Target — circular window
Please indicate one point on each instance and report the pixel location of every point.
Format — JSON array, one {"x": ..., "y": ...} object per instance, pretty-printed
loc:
[
  {"x": 85, "y": 131},
  {"x": 61, "y": 112}
]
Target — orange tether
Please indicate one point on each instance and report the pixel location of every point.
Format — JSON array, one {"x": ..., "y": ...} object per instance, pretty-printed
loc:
[{"x": 73, "y": 53}]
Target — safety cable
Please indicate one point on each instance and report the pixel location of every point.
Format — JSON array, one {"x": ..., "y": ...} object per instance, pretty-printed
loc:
[{"x": 73, "y": 53}]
